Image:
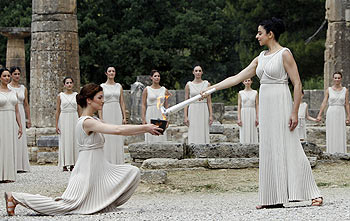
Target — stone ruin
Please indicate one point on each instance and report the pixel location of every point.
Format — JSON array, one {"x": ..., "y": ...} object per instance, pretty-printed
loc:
[{"x": 55, "y": 54}]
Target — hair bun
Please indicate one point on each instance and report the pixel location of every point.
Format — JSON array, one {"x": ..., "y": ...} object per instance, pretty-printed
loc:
[{"x": 279, "y": 25}]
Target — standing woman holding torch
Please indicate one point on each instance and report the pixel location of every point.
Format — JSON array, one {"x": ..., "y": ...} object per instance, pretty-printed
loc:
[
  {"x": 284, "y": 171},
  {"x": 199, "y": 115}
]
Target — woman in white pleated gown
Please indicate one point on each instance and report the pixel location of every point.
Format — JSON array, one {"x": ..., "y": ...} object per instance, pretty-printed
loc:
[
  {"x": 66, "y": 120},
  {"x": 113, "y": 112},
  {"x": 198, "y": 116},
  {"x": 248, "y": 109},
  {"x": 284, "y": 170},
  {"x": 150, "y": 96},
  {"x": 10, "y": 131},
  {"x": 336, "y": 119},
  {"x": 24, "y": 110},
  {"x": 95, "y": 185},
  {"x": 303, "y": 114}
]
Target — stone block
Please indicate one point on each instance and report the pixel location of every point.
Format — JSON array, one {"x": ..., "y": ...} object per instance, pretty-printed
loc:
[
  {"x": 165, "y": 163},
  {"x": 216, "y": 128},
  {"x": 231, "y": 108},
  {"x": 217, "y": 138},
  {"x": 134, "y": 139},
  {"x": 233, "y": 163},
  {"x": 222, "y": 150},
  {"x": 156, "y": 150},
  {"x": 313, "y": 161},
  {"x": 177, "y": 134},
  {"x": 229, "y": 117},
  {"x": 153, "y": 176},
  {"x": 335, "y": 10},
  {"x": 33, "y": 154},
  {"x": 312, "y": 149},
  {"x": 48, "y": 141},
  {"x": 218, "y": 111},
  {"x": 47, "y": 157},
  {"x": 316, "y": 98},
  {"x": 336, "y": 156},
  {"x": 316, "y": 135},
  {"x": 231, "y": 132}
]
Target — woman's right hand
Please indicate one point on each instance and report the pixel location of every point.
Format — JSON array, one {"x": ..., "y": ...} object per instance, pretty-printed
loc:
[
  {"x": 239, "y": 122},
  {"x": 319, "y": 118},
  {"x": 154, "y": 129},
  {"x": 186, "y": 122},
  {"x": 58, "y": 130}
]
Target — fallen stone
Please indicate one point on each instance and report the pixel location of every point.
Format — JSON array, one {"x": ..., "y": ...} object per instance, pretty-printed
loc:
[
  {"x": 48, "y": 141},
  {"x": 154, "y": 176},
  {"x": 233, "y": 163},
  {"x": 222, "y": 150},
  {"x": 216, "y": 128},
  {"x": 217, "y": 138},
  {"x": 47, "y": 157},
  {"x": 336, "y": 156},
  {"x": 165, "y": 163},
  {"x": 156, "y": 150}
]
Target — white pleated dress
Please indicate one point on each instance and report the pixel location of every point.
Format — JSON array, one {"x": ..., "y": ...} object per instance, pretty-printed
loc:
[
  {"x": 8, "y": 136},
  {"x": 248, "y": 132},
  {"x": 22, "y": 148},
  {"x": 301, "y": 128},
  {"x": 67, "y": 151},
  {"x": 198, "y": 115},
  {"x": 335, "y": 122},
  {"x": 112, "y": 114},
  {"x": 95, "y": 185},
  {"x": 284, "y": 170},
  {"x": 153, "y": 112}
]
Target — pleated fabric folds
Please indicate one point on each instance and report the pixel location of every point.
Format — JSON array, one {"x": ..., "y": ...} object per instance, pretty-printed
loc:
[
  {"x": 284, "y": 170},
  {"x": 95, "y": 185}
]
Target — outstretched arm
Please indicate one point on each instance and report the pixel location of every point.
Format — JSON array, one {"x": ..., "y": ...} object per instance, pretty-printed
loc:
[
  {"x": 247, "y": 72},
  {"x": 92, "y": 125}
]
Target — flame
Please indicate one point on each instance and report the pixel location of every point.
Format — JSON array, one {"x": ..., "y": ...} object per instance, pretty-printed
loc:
[{"x": 160, "y": 103}]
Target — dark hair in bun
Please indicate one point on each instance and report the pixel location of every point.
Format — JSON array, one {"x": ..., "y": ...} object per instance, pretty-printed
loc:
[
  {"x": 88, "y": 91},
  {"x": 2, "y": 70},
  {"x": 109, "y": 66},
  {"x": 338, "y": 72},
  {"x": 153, "y": 72},
  {"x": 14, "y": 68},
  {"x": 275, "y": 25},
  {"x": 66, "y": 78}
]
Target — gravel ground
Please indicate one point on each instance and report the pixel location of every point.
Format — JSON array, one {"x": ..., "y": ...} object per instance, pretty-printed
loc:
[{"x": 48, "y": 180}]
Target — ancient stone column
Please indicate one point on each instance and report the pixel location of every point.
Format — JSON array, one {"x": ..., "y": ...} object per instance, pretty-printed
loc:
[
  {"x": 54, "y": 55},
  {"x": 337, "y": 51},
  {"x": 15, "y": 54}
]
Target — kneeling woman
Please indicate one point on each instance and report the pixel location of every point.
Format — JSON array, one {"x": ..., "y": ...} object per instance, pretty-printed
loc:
[{"x": 94, "y": 184}]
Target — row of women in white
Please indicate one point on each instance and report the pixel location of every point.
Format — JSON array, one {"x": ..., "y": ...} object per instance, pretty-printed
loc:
[{"x": 284, "y": 171}]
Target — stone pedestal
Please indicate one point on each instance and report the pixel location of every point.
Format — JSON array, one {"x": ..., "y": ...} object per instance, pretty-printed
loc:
[
  {"x": 337, "y": 51},
  {"x": 15, "y": 54},
  {"x": 54, "y": 55}
]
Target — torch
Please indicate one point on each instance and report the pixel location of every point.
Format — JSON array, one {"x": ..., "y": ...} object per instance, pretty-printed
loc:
[{"x": 183, "y": 104}]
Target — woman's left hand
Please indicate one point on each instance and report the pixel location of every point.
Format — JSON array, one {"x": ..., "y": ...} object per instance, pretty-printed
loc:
[
  {"x": 125, "y": 121},
  {"x": 19, "y": 132},
  {"x": 211, "y": 120},
  {"x": 293, "y": 121},
  {"x": 347, "y": 121}
]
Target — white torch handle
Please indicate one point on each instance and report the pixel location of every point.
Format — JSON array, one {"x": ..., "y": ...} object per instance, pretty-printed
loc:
[{"x": 183, "y": 104}]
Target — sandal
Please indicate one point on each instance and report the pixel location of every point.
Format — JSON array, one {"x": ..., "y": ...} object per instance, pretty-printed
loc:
[
  {"x": 71, "y": 168},
  {"x": 270, "y": 206},
  {"x": 65, "y": 169},
  {"x": 317, "y": 202},
  {"x": 10, "y": 205}
]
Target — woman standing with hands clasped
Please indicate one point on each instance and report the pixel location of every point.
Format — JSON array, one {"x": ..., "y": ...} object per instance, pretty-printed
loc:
[
  {"x": 336, "y": 119},
  {"x": 113, "y": 112},
  {"x": 198, "y": 116},
  {"x": 150, "y": 96},
  {"x": 24, "y": 110},
  {"x": 67, "y": 112},
  {"x": 284, "y": 171},
  {"x": 248, "y": 118},
  {"x": 9, "y": 131}
]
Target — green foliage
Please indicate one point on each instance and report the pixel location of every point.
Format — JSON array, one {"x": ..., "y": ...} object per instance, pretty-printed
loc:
[
  {"x": 314, "y": 83},
  {"x": 173, "y": 36}
]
